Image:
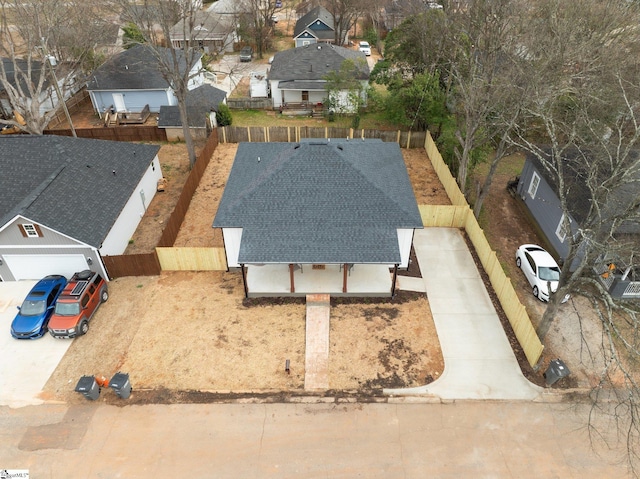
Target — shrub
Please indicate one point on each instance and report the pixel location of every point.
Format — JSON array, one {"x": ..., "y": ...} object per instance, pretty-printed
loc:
[{"x": 223, "y": 115}]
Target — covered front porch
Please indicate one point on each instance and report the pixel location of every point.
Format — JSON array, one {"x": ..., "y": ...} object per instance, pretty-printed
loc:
[{"x": 301, "y": 279}]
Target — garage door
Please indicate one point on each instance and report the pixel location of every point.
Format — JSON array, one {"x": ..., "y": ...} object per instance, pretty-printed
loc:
[{"x": 36, "y": 266}]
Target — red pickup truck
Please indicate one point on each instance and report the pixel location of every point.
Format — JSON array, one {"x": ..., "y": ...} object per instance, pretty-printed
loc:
[{"x": 77, "y": 303}]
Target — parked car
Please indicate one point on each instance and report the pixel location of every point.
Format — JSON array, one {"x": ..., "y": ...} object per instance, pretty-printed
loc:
[
  {"x": 365, "y": 48},
  {"x": 540, "y": 269},
  {"x": 246, "y": 54},
  {"x": 278, "y": 3},
  {"x": 37, "y": 308},
  {"x": 77, "y": 304}
]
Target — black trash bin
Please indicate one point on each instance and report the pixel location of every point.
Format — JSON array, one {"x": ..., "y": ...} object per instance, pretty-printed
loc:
[
  {"x": 88, "y": 387},
  {"x": 556, "y": 371},
  {"x": 121, "y": 385}
]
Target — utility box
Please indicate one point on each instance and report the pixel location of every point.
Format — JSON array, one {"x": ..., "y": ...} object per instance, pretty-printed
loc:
[
  {"x": 121, "y": 385},
  {"x": 88, "y": 387},
  {"x": 556, "y": 371}
]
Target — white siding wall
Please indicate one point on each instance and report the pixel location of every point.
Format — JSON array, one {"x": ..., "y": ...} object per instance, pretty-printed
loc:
[
  {"x": 232, "y": 238},
  {"x": 126, "y": 224},
  {"x": 405, "y": 239}
]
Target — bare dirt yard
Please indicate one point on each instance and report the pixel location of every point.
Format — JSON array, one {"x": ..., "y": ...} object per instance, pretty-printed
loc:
[
  {"x": 190, "y": 336},
  {"x": 576, "y": 336}
]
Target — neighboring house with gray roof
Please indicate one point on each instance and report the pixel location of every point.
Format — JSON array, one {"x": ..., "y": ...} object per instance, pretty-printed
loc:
[
  {"x": 66, "y": 202},
  {"x": 211, "y": 33},
  {"x": 299, "y": 75},
  {"x": 132, "y": 79},
  {"x": 316, "y": 26},
  {"x": 202, "y": 106},
  {"x": 540, "y": 194},
  {"x": 17, "y": 75},
  {"x": 341, "y": 210}
]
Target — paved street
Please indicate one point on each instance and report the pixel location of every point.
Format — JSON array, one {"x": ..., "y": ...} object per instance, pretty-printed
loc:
[{"x": 456, "y": 440}]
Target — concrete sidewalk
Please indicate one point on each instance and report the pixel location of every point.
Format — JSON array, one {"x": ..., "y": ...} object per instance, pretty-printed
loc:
[{"x": 478, "y": 360}]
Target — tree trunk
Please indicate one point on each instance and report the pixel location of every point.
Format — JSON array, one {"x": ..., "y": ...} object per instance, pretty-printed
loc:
[
  {"x": 484, "y": 190},
  {"x": 191, "y": 148}
]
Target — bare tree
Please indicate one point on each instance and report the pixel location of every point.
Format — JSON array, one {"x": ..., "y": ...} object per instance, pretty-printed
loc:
[
  {"x": 156, "y": 18},
  {"x": 46, "y": 46},
  {"x": 345, "y": 15},
  {"x": 583, "y": 62},
  {"x": 258, "y": 23}
]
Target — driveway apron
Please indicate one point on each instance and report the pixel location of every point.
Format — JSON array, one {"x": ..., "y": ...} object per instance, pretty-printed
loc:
[{"x": 479, "y": 362}]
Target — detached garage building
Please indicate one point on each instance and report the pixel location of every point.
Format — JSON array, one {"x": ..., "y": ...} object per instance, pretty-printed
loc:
[{"x": 66, "y": 202}]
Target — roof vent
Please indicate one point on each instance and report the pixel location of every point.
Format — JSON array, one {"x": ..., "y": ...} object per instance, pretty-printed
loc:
[{"x": 297, "y": 146}]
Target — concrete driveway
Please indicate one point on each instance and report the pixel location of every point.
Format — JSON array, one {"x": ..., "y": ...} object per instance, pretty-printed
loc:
[
  {"x": 234, "y": 70},
  {"x": 25, "y": 365}
]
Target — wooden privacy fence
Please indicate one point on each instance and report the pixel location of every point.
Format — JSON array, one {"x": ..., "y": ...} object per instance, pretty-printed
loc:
[
  {"x": 292, "y": 134},
  {"x": 460, "y": 216},
  {"x": 170, "y": 232},
  {"x": 149, "y": 263},
  {"x": 145, "y": 264},
  {"x": 192, "y": 259},
  {"x": 130, "y": 133},
  {"x": 74, "y": 104},
  {"x": 249, "y": 103}
]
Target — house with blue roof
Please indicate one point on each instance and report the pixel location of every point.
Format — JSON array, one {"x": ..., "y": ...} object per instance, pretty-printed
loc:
[
  {"x": 318, "y": 216},
  {"x": 67, "y": 202},
  {"x": 316, "y": 26}
]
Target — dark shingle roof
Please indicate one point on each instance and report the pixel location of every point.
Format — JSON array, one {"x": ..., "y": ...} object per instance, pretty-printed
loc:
[
  {"x": 319, "y": 201},
  {"x": 314, "y": 62},
  {"x": 317, "y": 13},
  {"x": 200, "y": 102},
  {"x": 576, "y": 171},
  {"x": 23, "y": 66},
  {"x": 68, "y": 184},
  {"x": 134, "y": 69}
]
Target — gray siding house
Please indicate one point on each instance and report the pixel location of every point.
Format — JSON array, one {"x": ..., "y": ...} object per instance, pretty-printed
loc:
[
  {"x": 319, "y": 216},
  {"x": 132, "y": 79},
  {"x": 539, "y": 192},
  {"x": 66, "y": 202}
]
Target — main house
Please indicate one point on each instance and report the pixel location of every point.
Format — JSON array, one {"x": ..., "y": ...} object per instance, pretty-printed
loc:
[
  {"x": 133, "y": 79},
  {"x": 299, "y": 75},
  {"x": 66, "y": 202},
  {"x": 319, "y": 216},
  {"x": 540, "y": 194}
]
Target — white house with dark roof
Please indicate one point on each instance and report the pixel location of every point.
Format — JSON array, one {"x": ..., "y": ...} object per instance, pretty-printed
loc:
[
  {"x": 132, "y": 79},
  {"x": 299, "y": 75},
  {"x": 319, "y": 216},
  {"x": 66, "y": 202}
]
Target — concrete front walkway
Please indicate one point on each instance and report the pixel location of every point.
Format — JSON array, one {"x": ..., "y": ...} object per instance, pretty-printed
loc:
[
  {"x": 316, "y": 365},
  {"x": 478, "y": 360}
]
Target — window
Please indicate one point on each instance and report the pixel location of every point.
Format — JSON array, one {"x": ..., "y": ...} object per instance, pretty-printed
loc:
[
  {"x": 30, "y": 230},
  {"x": 564, "y": 228},
  {"x": 305, "y": 96},
  {"x": 533, "y": 186}
]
